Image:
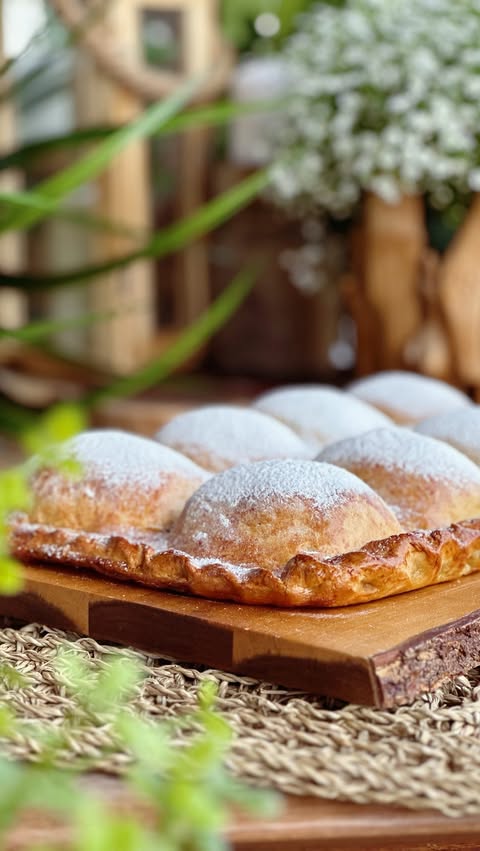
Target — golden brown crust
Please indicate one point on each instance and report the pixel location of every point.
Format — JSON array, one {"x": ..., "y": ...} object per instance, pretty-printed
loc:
[
  {"x": 282, "y": 532},
  {"x": 271, "y": 537},
  {"x": 92, "y": 504},
  {"x": 428, "y": 484},
  {"x": 391, "y": 566},
  {"x": 266, "y": 513},
  {"x": 124, "y": 481}
]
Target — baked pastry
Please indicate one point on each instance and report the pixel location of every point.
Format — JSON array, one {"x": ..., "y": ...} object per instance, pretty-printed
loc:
[
  {"x": 407, "y": 397},
  {"x": 220, "y": 436},
  {"x": 264, "y": 513},
  {"x": 460, "y": 428},
  {"x": 320, "y": 414},
  {"x": 427, "y": 483},
  {"x": 285, "y": 532},
  {"x": 125, "y": 482}
]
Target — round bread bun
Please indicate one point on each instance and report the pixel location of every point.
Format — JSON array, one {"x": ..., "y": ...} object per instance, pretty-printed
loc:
[
  {"x": 267, "y": 512},
  {"x": 222, "y": 436},
  {"x": 320, "y": 414},
  {"x": 427, "y": 483},
  {"x": 407, "y": 397},
  {"x": 459, "y": 428},
  {"x": 124, "y": 481}
]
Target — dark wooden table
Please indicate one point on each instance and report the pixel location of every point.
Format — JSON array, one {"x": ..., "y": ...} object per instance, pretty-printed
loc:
[{"x": 306, "y": 824}]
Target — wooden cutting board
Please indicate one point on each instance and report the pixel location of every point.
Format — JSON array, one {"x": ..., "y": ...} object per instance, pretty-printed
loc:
[{"x": 383, "y": 653}]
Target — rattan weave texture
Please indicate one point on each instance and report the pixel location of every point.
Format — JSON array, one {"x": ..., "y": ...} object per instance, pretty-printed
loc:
[{"x": 419, "y": 756}]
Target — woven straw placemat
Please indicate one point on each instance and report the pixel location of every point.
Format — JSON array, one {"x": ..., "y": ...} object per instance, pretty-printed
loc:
[{"x": 420, "y": 756}]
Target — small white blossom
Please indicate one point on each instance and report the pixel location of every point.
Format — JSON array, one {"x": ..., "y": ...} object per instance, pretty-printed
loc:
[
  {"x": 386, "y": 188},
  {"x": 386, "y": 99},
  {"x": 472, "y": 86}
]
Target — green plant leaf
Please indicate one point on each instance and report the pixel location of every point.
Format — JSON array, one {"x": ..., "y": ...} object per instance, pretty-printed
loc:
[
  {"x": 11, "y": 799},
  {"x": 48, "y": 788},
  {"x": 31, "y": 201},
  {"x": 190, "y": 341},
  {"x": 57, "y": 424},
  {"x": 207, "y": 695},
  {"x": 14, "y": 418},
  {"x": 26, "y": 154},
  {"x": 169, "y": 240},
  {"x": 20, "y": 81},
  {"x": 11, "y": 579},
  {"x": 35, "y": 331},
  {"x": 14, "y": 491},
  {"x": 12, "y": 678},
  {"x": 264, "y": 803},
  {"x": 94, "y": 162},
  {"x": 101, "y": 830},
  {"x": 213, "y": 115},
  {"x": 7, "y": 720},
  {"x": 115, "y": 685},
  {"x": 74, "y": 671},
  {"x": 68, "y": 38},
  {"x": 149, "y": 744},
  {"x": 14, "y": 60}
]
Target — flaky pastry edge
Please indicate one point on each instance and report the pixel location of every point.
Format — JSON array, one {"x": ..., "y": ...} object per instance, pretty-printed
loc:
[{"x": 379, "y": 569}]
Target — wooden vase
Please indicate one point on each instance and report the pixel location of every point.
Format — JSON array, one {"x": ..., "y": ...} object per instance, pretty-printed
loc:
[
  {"x": 413, "y": 307},
  {"x": 393, "y": 242},
  {"x": 459, "y": 292}
]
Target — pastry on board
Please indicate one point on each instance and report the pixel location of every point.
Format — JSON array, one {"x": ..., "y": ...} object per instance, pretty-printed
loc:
[
  {"x": 428, "y": 484},
  {"x": 460, "y": 428},
  {"x": 400, "y": 512},
  {"x": 407, "y": 397},
  {"x": 264, "y": 513},
  {"x": 320, "y": 414},
  {"x": 125, "y": 481},
  {"x": 220, "y": 436}
]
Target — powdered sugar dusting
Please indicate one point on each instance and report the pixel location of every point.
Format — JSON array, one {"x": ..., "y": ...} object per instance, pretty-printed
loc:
[
  {"x": 408, "y": 394},
  {"x": 460, "y": 428},
  {"x": 120, "y": 458},
  {"x": 400, "y": 449},
  {"x": 267, "y": 482},
  {"x": 320, "y": 414},
  {"x": 233, "y": 434}
]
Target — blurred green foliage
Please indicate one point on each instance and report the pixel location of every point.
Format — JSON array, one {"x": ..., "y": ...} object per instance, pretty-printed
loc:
[
  {"x": 188, "y": 791},
  {"x": 50, "y": 198},
  {"x": 239, "y": 17},
  {"x": 43, "y": 437}
]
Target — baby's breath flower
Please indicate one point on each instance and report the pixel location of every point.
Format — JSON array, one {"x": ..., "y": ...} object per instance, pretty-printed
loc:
[{"x": 386, "y": 99}]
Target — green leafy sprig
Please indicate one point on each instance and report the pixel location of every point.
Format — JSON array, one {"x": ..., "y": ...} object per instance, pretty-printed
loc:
[
  {"x": 44, "y": 438},
  {"x": 183, "y": 792}
]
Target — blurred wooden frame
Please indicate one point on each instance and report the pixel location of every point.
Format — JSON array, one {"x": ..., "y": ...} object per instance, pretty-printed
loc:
[
  {"x": 12, "y": 303},
  {"x": 111, "y": 88},
  {"x": 204, "y": 49}
]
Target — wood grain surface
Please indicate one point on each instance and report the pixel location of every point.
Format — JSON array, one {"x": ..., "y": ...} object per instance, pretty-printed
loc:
[
  {"x": 304, "y": 824},
  {"x": 383, "y": 653}
]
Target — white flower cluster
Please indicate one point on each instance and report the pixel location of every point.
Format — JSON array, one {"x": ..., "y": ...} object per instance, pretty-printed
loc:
[{"x": 386, "y": 98}]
